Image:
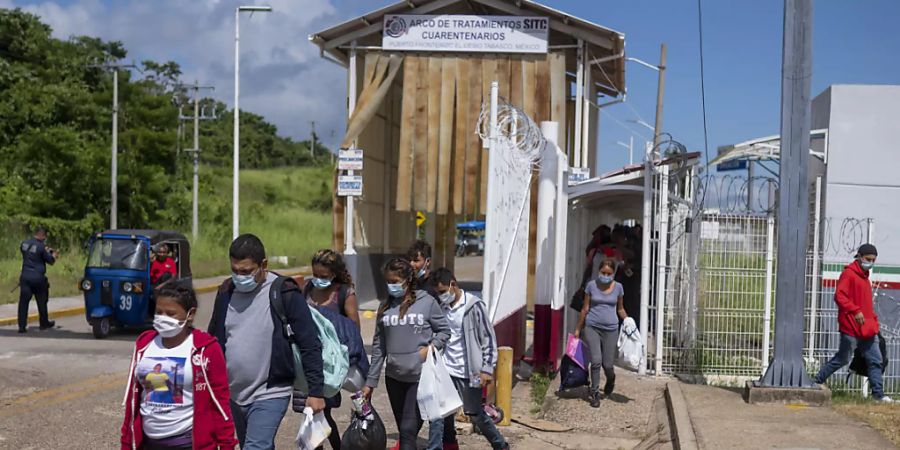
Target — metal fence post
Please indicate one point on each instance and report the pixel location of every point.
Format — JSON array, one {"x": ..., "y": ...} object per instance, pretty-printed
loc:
[
  {"x": 814, "y": 288},
  {"x": 767, "y": 307},
  {"x": 663, "y": 232}
]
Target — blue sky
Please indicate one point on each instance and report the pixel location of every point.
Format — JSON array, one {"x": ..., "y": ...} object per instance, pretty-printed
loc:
[{"x": 283, "y": 78}]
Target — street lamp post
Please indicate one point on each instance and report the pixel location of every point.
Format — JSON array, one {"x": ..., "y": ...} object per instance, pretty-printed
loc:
[{"x": 237, "y": 131}]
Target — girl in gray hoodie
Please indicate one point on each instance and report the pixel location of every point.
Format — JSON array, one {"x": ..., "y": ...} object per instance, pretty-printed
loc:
[{"x": 408, "y": 322}]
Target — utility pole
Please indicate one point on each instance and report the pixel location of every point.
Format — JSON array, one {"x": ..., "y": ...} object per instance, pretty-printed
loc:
[
  {"x": 312, "y": 148},
  {"x": 236, "y": 165},
  {"x": 114, "y": 161},
  {"x": 195, "y": 154},
  {"x": 660, "y": 91},
  {"x": 787, "y": 370}
]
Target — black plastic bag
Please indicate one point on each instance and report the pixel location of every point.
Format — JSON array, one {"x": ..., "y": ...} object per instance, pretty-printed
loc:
[
  {"x": 571, "y": 375},
  {"x": 365, "y": 432},
  {"x": 859, "y": 366}
]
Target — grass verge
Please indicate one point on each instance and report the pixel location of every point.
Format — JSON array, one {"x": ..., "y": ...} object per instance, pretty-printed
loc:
[{"x": 882, "y": 417}]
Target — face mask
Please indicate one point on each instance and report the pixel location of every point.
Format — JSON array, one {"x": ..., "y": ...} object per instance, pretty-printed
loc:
[
  {"x": 244, "y": 283},
  {"x": 447, "y": 297},
  {"x": 321, "y": 283},
  {"x": 866, "y": 265},
  {"x": 167, "y": 326},
  {"x": 396, "y": 290},
  {"x": 604, "y": 279},
  {"x": 420, "y": 273}
]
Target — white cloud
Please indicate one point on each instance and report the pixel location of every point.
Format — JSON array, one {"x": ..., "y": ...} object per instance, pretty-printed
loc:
[{"x": 282, "y": 76}]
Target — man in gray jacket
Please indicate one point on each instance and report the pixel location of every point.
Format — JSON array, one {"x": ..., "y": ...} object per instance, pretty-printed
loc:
[{"x": 470, "y": 356}]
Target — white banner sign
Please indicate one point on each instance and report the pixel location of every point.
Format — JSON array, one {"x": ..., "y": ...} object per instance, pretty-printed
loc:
[
  {"x": 464, "y": 33},
  {"x": 350, "y": 185},
  {"x": 351, "y": 159}
]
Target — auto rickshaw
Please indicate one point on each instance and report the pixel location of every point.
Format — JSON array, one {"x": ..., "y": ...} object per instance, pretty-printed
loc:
[
  {"x": 116, "y": 284},
  {"x": 470, "y": 238}
]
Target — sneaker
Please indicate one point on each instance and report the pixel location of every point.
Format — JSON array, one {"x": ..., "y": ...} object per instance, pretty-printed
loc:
[
  {"x": 609, "y": 386},
  {"x": 22, "y": 330},
  {"x": 595, "y": 399},
  {"x": 49, "y": 325},
  {"x": 885, "y": 399}
]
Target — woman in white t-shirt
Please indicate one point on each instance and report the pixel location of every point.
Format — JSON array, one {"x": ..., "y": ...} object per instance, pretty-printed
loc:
[{"x": 177, "y": 395}]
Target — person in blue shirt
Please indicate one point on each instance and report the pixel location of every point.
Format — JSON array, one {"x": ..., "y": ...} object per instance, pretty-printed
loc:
[{"x": 33, "y": 279}]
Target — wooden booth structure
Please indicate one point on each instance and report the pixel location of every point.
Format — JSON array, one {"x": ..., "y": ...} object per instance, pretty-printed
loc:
[{"x": 414, "y": 114}]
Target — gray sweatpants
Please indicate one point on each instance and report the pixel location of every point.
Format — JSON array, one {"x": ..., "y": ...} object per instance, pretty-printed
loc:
[{"x": 603, "y": 346}]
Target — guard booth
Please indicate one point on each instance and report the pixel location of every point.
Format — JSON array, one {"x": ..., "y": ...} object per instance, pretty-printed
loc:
[{"x": 418, "y": 75}]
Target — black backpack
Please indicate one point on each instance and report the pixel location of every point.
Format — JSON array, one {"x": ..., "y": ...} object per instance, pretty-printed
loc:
[{"x": 859, "y": 366}]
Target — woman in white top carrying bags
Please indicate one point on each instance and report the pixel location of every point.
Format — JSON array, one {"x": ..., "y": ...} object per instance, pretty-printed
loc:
[
  {"x": 177, "y": 395},
  {"x": 600, "y": 315}
]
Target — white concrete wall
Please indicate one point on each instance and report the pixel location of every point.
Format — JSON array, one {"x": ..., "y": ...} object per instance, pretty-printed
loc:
[{"x": 863, "y": 173}]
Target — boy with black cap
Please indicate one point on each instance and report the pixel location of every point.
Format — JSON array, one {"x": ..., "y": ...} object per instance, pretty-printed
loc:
[{"x": 857, "y": 321}]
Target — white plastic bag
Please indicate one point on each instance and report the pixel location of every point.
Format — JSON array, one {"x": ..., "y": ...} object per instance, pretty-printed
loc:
[
  {"x": 437, "y": 396},
  {"x": 314, "y": 429},
  {"x": 631, "y": 350}
]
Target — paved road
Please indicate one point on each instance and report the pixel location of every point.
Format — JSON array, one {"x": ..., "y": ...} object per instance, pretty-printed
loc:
[{"x": 63, "y": 389}]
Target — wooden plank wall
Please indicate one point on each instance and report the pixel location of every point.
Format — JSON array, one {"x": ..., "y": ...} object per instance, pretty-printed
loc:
[{"x": 442, "y": 162}]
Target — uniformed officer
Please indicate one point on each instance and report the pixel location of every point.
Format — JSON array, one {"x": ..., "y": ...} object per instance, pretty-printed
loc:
[{"x": 33, "y": 280}]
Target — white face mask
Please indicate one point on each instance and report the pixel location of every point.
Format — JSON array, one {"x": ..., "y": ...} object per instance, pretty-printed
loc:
[
  {"x": 168, "y": 326},
  {"x": 447, "y": 297}
]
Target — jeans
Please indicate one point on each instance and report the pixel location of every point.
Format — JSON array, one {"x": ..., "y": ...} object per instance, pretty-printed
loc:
[
  {"x": 33, "y": 286},
  {"x": 871, "y": 353},
  {"x": 406, "y": 410},
  {"x": 603, "y": 346},
  {"x": 443, "y": 431},
  {"x": 258, "y": 422}
]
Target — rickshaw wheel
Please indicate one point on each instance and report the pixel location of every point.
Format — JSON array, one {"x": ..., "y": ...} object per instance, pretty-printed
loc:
[{"x": 100, "y": 327}]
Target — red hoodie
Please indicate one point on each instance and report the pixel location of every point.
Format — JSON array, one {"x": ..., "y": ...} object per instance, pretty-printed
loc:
[
  {"x": 213, "y": 426},
  {"x": 854, "y": 295}
]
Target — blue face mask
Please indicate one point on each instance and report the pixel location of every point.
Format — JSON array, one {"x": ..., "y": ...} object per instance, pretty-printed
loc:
[
  {"x": 866, "y": 265},
  {"x": 604, "y": 279},
  {"x": 321, "y": 283},
  {"x": 244, "y": 283},
  {"x": 396, "y": 290},
  {"x": 420, "y": 273}
]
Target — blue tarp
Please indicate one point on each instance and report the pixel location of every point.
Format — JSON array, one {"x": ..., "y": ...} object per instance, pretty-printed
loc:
[{"x": 472, "y": 225}]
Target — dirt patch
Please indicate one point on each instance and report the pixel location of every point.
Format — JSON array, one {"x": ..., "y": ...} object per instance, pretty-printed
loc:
[{"x": 625, "y": 413}]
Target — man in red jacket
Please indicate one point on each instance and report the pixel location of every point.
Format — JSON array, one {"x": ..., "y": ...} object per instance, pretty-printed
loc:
[{"x": 857, "y": 321}]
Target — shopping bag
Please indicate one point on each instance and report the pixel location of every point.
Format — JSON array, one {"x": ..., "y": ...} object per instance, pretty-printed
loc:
[
  {"x": 314, "y": 429},
  {"x": 575, "y": 350},
  {"x": 571, "y": 375},
  {"x": 631, "y": 349},
  {"x": 436, "y": 395},
  {"x": 366, "y": 432}
]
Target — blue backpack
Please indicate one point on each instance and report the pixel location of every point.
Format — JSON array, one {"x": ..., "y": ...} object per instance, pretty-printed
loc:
[{"x": 335, "y": 356}]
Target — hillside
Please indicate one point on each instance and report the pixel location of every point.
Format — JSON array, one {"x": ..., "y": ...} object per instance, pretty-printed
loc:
[{"x": 285, "y": 207}]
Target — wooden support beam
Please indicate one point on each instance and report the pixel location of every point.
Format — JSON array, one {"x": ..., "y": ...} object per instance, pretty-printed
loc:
[
  {"x": 420, "y": 139},
  {"x": 408, "y": 114},
  {"x": 461, "y": 139},
  {"x": 445, "y": 147},
  {"x": 473, "y": 144},
  {"x": 434, "y": 129}
]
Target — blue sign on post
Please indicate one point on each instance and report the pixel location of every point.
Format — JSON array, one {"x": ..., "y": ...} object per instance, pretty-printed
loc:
[{"x": 735, "y": 164}]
